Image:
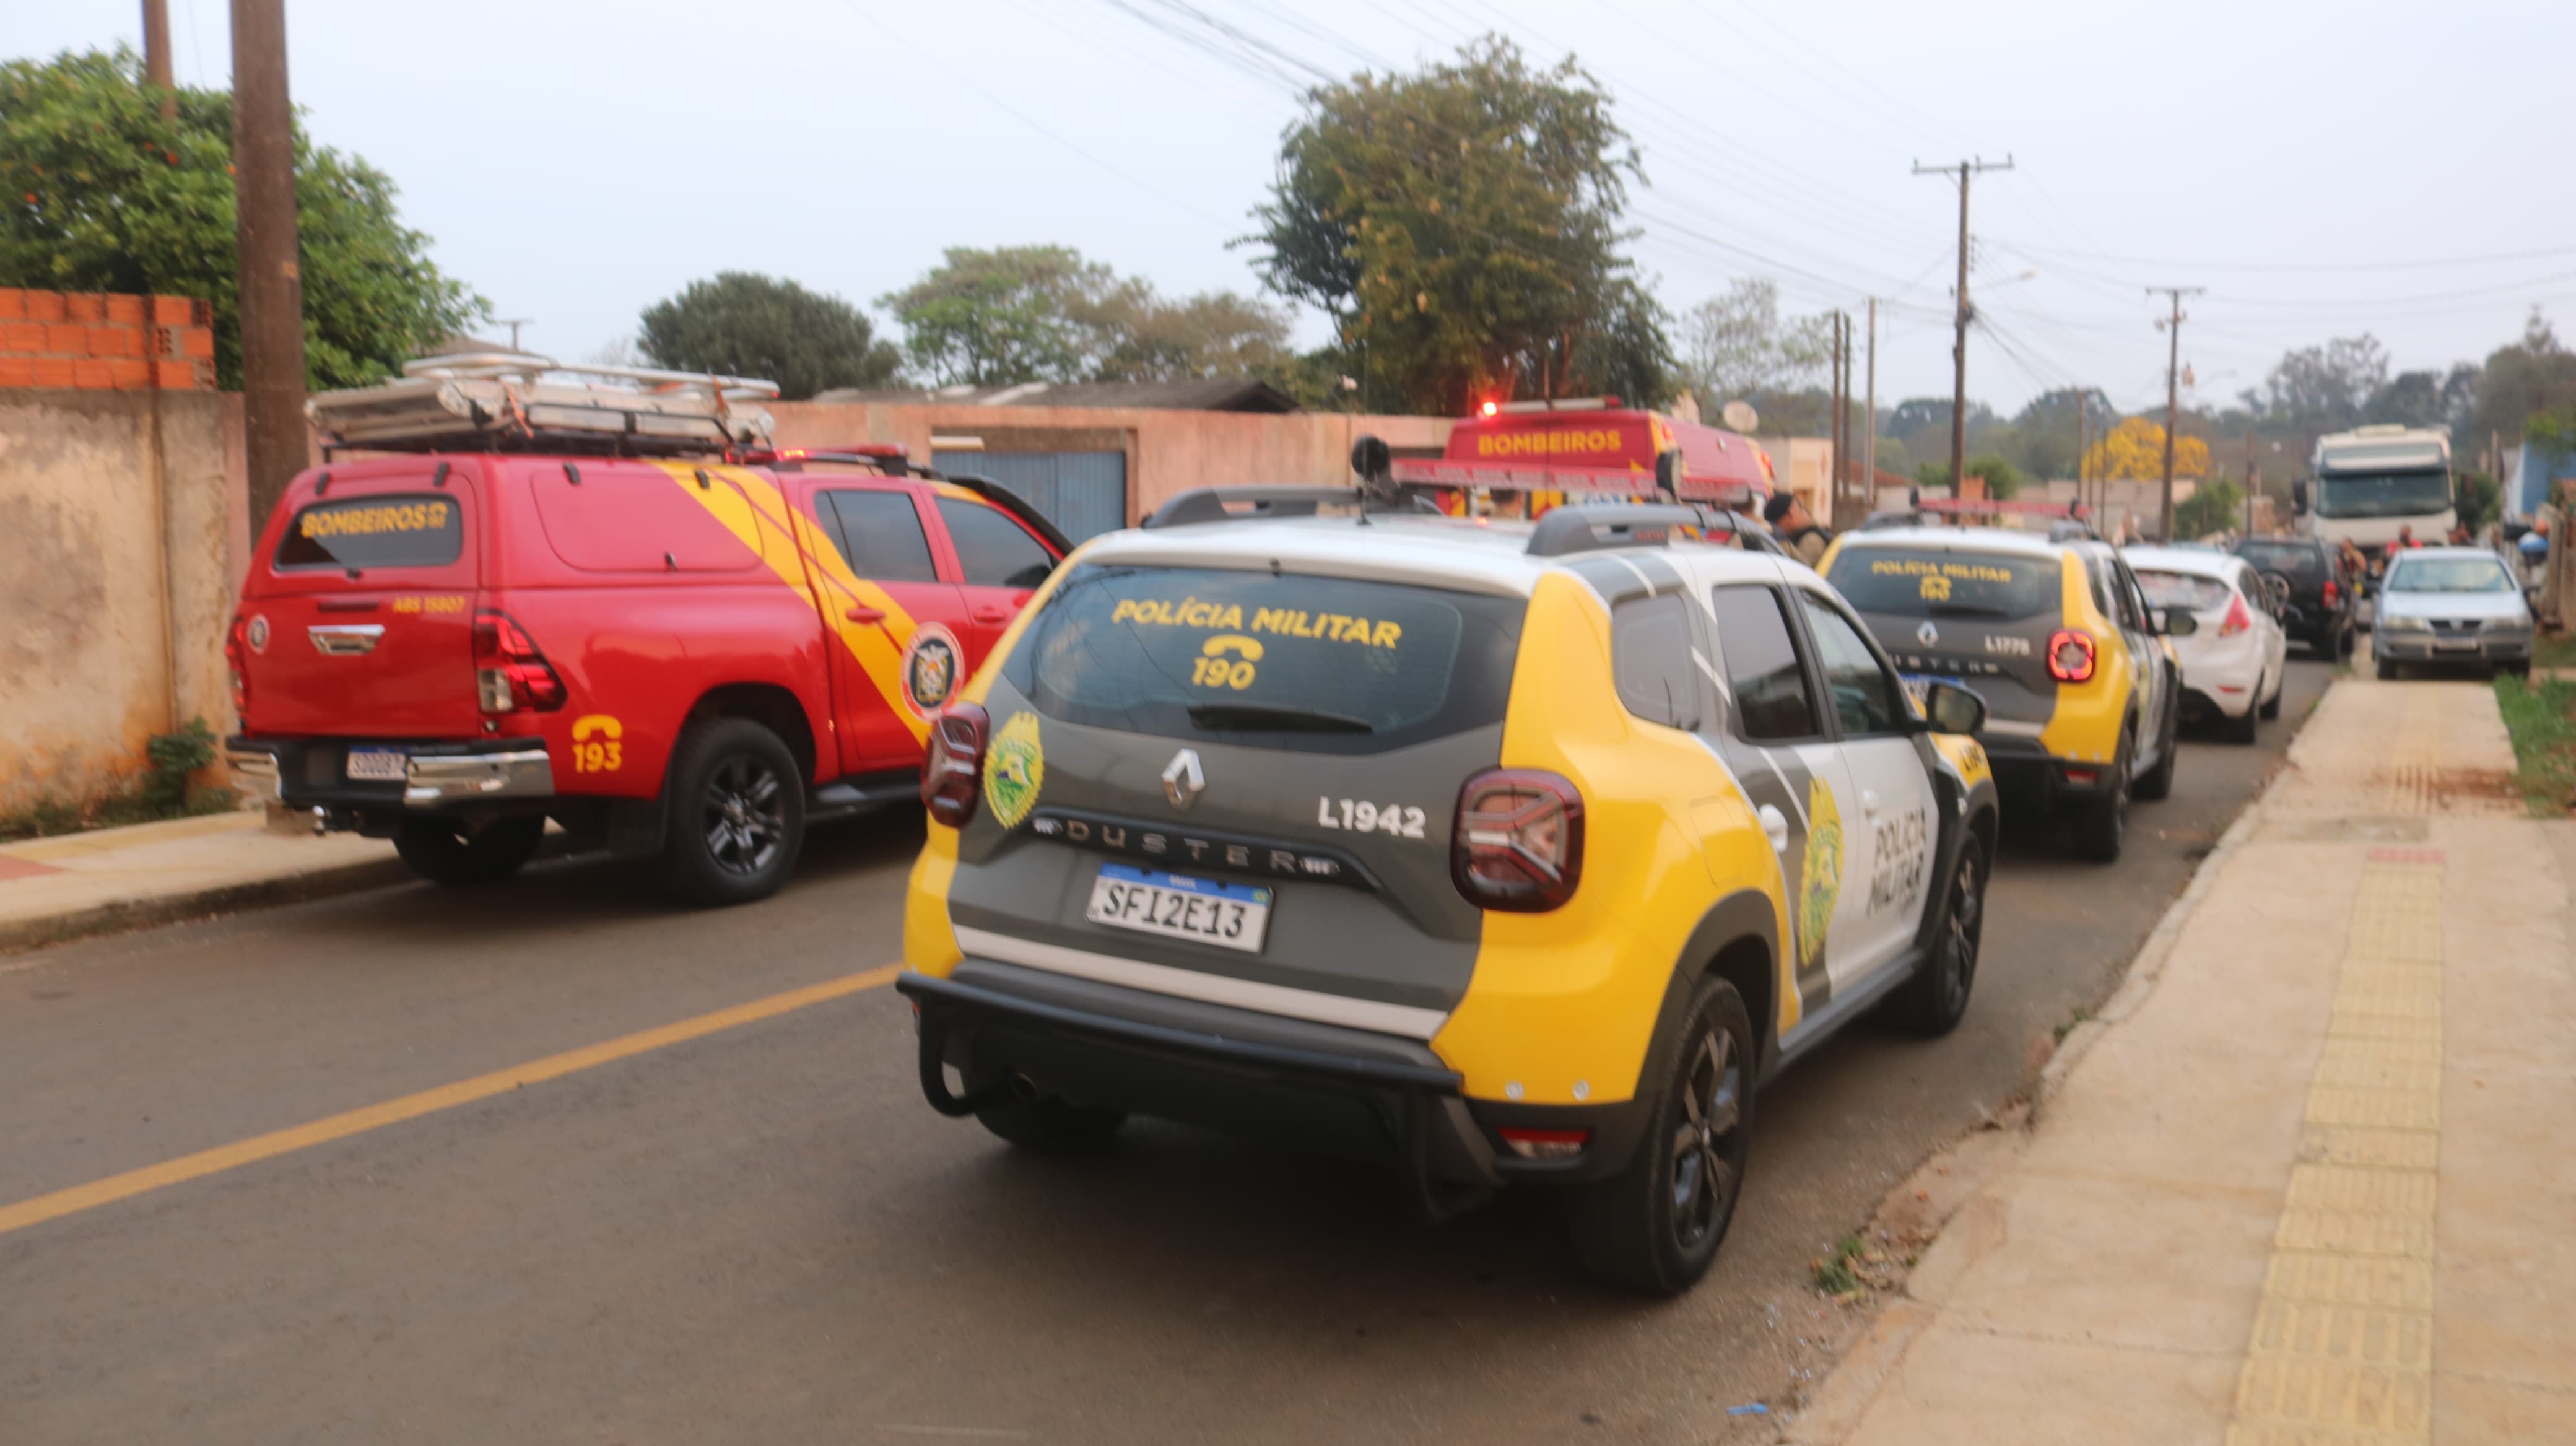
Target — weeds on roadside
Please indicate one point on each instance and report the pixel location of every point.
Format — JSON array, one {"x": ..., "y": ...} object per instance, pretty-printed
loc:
[
  {"x": 1833, "y": 1270},
  {"x": 2541, "y": 717},
  {"x": 162, "y": 790}
]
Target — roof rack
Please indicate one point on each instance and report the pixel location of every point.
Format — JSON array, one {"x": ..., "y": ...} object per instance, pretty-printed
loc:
[
  {"x": 1590, "y": 527},
  {"x": 521, "y": 401},
  {"x": 1254, "y": 504}
]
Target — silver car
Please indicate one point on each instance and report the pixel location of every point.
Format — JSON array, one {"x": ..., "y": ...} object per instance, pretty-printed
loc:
[{"x": 2451, "y": 605}]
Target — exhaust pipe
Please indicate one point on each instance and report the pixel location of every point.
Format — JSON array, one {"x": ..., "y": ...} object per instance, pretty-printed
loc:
[{"x": 1024, "y": 1089}]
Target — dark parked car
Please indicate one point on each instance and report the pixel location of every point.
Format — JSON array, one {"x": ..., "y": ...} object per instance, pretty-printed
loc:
[{"x": 2317, "y": 597}]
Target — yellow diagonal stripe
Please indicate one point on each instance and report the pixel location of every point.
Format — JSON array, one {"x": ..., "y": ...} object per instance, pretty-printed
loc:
[{"x": 427, "y": 1102}]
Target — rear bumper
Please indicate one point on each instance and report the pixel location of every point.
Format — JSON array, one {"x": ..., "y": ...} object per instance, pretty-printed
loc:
[
  {"x": 313, "y": 772},
  {"x": 1369, "y": 1096},
  {"x": 2026, "y": 771}
]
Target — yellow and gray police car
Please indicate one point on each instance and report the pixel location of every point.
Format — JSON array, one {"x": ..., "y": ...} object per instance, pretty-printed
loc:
[
  {"x": 1503, "y": 853},
  {"x": 2084, "y": 695}
]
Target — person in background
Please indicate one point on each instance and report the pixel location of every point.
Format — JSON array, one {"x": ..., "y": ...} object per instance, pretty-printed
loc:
[
  {"x": 2460, "y": 535},
  {"x": 2405, "y": 537},
  {"x": 1791, "y": 524}
]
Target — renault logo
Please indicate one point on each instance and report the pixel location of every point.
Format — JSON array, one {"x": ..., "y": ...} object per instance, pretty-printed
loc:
[
  {"x": 1927, "y": 634},
  {"x": 1182, "y": 780}
]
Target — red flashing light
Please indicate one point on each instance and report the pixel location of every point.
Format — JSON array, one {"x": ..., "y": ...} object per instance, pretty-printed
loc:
[
  {"x": 1490, "y": 408},
  {"x": 2070, "y": 656}
]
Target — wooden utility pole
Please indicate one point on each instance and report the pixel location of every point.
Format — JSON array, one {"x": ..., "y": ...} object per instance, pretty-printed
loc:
[
  {"x": 1869, "y": 446},
  {"x": 272, "y": 289},
  {"x": 2173, "y": 393},
  {"x": 2083, "y": 440},
  {"x": 156, "y": 56},
  {"x": 1959, "y": 343},
  {"x": 1834, "y": 508}
]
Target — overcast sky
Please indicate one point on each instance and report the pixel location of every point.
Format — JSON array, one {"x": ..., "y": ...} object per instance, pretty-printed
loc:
[{"x": 2321, "y": 168}]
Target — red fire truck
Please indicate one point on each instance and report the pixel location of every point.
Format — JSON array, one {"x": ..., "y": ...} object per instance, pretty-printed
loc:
[{"x": 1590, "y": 449}]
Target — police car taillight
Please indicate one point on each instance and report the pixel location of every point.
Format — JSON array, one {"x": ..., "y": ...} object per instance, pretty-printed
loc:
[
  {"x": 2070, "y": 655},
  {"x": 509, "y": 672},
  {"x": 955, "y": 762},
  {"x": 1518, "y": 843}
]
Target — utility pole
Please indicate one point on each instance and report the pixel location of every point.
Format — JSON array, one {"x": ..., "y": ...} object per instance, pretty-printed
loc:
[
  {"x": 2173, "y": 395},
  {"x": 272, "y": 289},
  {"x": 1869, "y": 446},
  {"x": 2250, "y": 484},
  {"x": 156, "y": 56},
  {"x": 1959, "y": 345},
  {"x": 1834, "y": 507},
  {"x": 2083, "y": 439}
]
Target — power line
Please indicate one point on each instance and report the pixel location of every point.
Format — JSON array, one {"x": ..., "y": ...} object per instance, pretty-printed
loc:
[{"x": 2305, "y": 267}]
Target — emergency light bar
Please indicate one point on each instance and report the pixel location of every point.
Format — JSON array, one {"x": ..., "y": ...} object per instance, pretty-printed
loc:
[{"x": 520, "y": 400}]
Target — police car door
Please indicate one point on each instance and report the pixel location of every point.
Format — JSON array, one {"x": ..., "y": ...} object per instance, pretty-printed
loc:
[
  {"x": 1775, "y": 738},
  {"x": 1890, "y": 833}
]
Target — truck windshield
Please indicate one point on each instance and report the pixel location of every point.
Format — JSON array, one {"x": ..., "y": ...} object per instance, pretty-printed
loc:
[{"x": 2383, "y": 494}]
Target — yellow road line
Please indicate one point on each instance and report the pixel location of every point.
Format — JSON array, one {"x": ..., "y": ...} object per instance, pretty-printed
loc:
[{"x": 427, "y": 1102}]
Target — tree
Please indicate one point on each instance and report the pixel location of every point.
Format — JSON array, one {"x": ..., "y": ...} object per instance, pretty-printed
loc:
[
  {"x": 2522, "y": 380},
  {"x": 2216, "y": 505},
  {"x": 2044, "y": 435},
  {"x": 2001, "y": 477},
  {"x": 2326, "y": 384},
  {"x": 2427, "y": 399},
  {"x": 2135, "y": 451},
  {"x": 1019, "y": 314},
  {"x": 745, "y": 324},
  {"x": 1735, "y": 345},
  {"x": 1461, "y": 226},
  {"x": 105, "y": 195}
]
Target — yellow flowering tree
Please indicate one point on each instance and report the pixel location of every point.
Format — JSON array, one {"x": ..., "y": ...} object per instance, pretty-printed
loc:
[{"x": 2135, "y": 451}]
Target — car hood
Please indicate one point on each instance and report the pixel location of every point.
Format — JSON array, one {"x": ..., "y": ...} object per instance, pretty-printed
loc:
[{"x": 2479, "y": 605}]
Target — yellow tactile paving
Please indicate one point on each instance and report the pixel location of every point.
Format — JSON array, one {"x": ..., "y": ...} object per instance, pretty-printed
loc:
[{"x": 2342, "y": 1348}]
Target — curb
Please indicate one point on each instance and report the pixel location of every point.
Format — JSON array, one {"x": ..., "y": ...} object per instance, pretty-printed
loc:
[
  {"x": 1865, "y": 1366},
  {"x": 26, "y": 934}
]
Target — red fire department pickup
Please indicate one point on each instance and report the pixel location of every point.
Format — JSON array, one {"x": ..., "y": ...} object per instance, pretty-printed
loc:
[{"x": 616, "y": 609}]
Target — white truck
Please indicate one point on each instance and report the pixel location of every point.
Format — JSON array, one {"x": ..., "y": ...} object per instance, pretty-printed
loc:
[{"x": 2371, "y": 483}]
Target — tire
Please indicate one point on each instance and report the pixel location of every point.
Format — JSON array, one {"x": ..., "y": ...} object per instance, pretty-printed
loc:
[
  {"x": 2387, "y": 670},
  {"x": 2249, "y": 727},
  {"x": 1053, "y": 1126},
  {"x": 437, "y": 851},
  {"x": 2521, "y": 669},
  {"x": 2158, "y": 781},
  {"x": 1936, "y": 998},
  {"x": 736, "y": 813},
  {"x": 2271, "y": 707},
  {"x": 2102, "y": 825},
  {"x": 1654, "y": 1228}
]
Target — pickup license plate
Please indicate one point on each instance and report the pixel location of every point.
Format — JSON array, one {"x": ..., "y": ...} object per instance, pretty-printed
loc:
[
  {"x": 1229, "y": 916},
  {"x": 379, "y": 765}
]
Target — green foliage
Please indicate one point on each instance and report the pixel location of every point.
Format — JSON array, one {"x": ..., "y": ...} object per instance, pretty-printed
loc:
[
  {"x": 105, "y": 195},
  {"x": 2477, "y": 498},
  {"x": 2531, "y": 378},
  {"x": 162, "y": 790},
  {"x": 2216, "y": 505},
  {"x": 1833, "y": 1272},
  {"x": 2551, "y": 431},
  {"x": 2540, "y": 717},
  {"x": 173, "y": 757},
  {"x": 1461, "y": 225},
  {"x": 1736, "y": 345},
  {"x": 745, "y": 324},
  {"x": 1044, "y": 314}
]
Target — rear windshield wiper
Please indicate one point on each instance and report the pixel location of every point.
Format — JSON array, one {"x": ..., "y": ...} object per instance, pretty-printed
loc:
[{"x": 1264, "y": 718}]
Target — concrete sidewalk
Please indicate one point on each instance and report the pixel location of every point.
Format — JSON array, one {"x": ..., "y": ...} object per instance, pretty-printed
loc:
[
  {"x": 2311, "y": 1181},
  {"x": 153, "y": 873}
]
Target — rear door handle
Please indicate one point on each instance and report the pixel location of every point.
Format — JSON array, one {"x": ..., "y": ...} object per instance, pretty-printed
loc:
[
  {"x": 865, "y": 614},
  {"x": 990, "y": 614},
  {"x": 1776, "y": 824}
]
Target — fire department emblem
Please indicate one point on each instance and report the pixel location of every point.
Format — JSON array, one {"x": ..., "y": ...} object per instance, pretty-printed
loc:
[
  {"x": 930, "y": 666},
  {"x": 257, "y": 633}
]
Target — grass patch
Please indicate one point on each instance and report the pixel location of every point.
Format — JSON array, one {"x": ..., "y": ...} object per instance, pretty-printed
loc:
[
  {"x": 163, "y": 790},
  {"x": 2554, "y": 650},
  {"x": 2080, "y": 1015},
  {"x": 1833, "y": 1270},
  {"x": 2541, "y": 717}
]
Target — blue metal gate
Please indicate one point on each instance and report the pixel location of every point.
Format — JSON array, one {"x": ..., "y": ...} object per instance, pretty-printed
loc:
[{"x": 1085, "y": 493}]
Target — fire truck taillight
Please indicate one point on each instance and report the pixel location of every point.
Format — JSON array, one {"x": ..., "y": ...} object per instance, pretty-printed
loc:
[
  {"x": 236, "y": 656},
  {"x": 509, "y": 672}
]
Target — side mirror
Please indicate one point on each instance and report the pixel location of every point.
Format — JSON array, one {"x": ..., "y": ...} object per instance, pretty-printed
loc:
[
  {"x": 1954, "y": 709},
  {"x": 2176, "y": 622},
  {"x": 2299, "y": 495}
]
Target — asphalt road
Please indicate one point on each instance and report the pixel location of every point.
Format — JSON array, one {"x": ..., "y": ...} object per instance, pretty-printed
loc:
[{"x": 763, "y": 1235}]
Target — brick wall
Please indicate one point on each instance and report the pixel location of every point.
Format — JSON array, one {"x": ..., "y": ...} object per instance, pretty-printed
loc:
[{"x": 105, "y": 341}]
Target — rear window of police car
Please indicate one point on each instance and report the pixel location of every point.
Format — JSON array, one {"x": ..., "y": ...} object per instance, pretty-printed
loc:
[
  {"x": 1930, "y": 582},
  {"x": 1312, "y": 664},
  {"x": 386, "y": 530}
]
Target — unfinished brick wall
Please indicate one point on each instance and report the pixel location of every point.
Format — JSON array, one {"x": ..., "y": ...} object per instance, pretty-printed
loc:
[{"x": 105, "y": 341}]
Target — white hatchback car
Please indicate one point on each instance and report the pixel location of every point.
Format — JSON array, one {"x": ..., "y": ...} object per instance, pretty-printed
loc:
[{"x": 2233, "y": 665}]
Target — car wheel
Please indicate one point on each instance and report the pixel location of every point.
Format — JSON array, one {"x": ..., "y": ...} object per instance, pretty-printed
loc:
[
  {"x": 2272, "y": 706},
  {"x": 2157, "y": 782},
  {"x": 2102, "y": 826},
  {"x": 2351, "y": 636},
  {"x": 447, "y": 853},
  {"x": 1654, "y": 1227},
  {"x": 737, "y": 813},
  {"x": 1053, "y": 1126},
  {"x": 2519, "y": 669},
  {"x": 1932, "y": 1002},
  {"x": 2387, "y": 670},
  {"x": 2248, "y": 727}
]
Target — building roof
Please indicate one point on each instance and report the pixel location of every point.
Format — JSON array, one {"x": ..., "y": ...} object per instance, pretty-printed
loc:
[{"x": 1212, "y": 394}]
